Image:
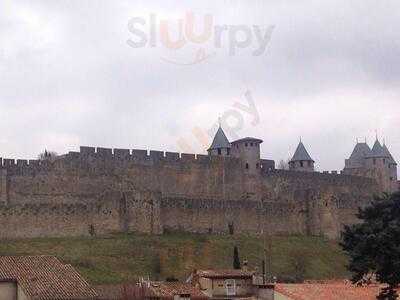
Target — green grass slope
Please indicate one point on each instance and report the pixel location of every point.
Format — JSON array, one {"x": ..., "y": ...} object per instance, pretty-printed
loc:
[{"x": 124, "y": 257}]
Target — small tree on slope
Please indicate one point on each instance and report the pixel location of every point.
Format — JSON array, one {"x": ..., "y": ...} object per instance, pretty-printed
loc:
[
  {"x": 236, "y": 259},
  {"x": 374, "y": 244}
]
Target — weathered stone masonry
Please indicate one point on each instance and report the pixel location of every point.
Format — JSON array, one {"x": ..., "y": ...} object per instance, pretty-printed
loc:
[{"x": 98, "y": 191}]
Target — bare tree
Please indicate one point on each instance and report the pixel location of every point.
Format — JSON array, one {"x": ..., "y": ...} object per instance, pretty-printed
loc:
[
  {"x": 138, "y": 291},
  {"x": 283, "y": 165},
  {"x": 47, "y": 155}
]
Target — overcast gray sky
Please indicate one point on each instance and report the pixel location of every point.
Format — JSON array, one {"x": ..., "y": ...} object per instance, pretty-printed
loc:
[{"x": 69, "y": 76}]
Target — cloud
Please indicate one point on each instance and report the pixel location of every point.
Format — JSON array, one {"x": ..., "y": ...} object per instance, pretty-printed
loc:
[{"x": 68, "y": 77}]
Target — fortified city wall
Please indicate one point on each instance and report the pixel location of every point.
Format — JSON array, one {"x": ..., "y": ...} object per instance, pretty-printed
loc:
[{"x": 98, "y": 191}]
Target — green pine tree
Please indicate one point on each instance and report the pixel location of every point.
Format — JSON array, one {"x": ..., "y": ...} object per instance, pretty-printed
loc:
[
  {"x": 236, "y": 259},
  {"x": 373, "y": 245}
]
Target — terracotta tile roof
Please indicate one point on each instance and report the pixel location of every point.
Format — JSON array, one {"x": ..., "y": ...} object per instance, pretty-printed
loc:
[
  {"x": 328, "y": 291},
  {"x": 45, "y": 277},
  {"x": 231, "y": 273},
  {"x": 170, "y": 289},
  {"x": 109, "y": 291}
]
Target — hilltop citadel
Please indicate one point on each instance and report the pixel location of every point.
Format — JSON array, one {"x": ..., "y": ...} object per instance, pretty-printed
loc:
[{"x": 231, "y": 190}]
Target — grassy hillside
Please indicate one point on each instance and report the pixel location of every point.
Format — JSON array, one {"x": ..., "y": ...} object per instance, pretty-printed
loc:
[{"x": 119, "y": 258}]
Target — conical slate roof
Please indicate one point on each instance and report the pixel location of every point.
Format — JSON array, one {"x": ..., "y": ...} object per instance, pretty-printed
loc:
[
  {"x": 377, "y": 150},
  {"x": 361, "y": 151},
  {"x": 220, "y": 140},
  {"x": 301, "y": 154},
  {"x": 388, "y": 154}
]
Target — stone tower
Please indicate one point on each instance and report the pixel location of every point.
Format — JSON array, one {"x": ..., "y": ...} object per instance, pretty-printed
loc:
[
  {"x": 248, "y": 150},
  {"x": 377, "y": 163},
  {"x": 220, "y": 145},
  {"x": 301, "y": 160},
  {"x": 377, "y": 159},
  {"x": 358, "y": 158},
  {"x": 392, "y": 166}
]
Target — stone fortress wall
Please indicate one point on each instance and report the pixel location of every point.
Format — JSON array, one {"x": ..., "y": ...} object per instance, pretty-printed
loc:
[{"x": 99, "y": 191}]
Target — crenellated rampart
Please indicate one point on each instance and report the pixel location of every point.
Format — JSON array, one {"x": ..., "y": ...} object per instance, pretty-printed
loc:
[
  {"x": 103, "y": 190},
  {"x": 315, "y": 179},
  {"x": 121, "y": 158}
]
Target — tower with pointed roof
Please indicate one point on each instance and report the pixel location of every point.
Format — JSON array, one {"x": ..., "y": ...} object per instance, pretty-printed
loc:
[
  {"x": 247, "y": 150},
  {"x": 377, "y": 163},
  {"x": 358, "y": 158},
  {"x": 377, "y": 157},
  {"x": 392, "y": 166},
  {"x": 220, "y": 145},
  {"x": 301, "y": 160}
]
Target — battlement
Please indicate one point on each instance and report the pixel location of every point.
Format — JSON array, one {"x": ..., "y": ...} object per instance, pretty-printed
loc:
[
  {"x": 138, "y": 154},
  {"x": 326, "y": 177},
  {"x": 120, "y": 190},
  {"x": 92, "y": 160},
  {"x": 109, "y": 158},
  {"x": 10, "y": 163},
  {"x": 332, "y": 172}
]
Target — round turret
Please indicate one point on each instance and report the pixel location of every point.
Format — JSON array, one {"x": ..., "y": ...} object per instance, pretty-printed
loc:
[{"x": 248, "y": 150}]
